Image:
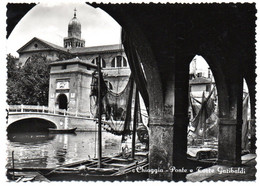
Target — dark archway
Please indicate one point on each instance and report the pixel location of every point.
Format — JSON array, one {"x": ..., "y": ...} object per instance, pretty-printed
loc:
[{"x": 62, "y": 101}]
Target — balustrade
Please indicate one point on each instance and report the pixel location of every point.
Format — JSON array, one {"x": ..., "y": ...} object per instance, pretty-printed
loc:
[{"x": 44, "y": 109}]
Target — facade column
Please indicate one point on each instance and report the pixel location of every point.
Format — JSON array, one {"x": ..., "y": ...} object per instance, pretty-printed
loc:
[
  {"x": 161, "y": 132},
  {"x": 253, "y": 120},
  {"x": 229, "y": 142},
  {"x": 230, "y": 127},
  {"x": 181, "y": 119},
  {"x": 253, "y": 136},
  {"x": 160, "y": 148},
  {"x": 161, "y": 106}
]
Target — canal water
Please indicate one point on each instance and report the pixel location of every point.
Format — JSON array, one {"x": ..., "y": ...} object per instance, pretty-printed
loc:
[{"x": 51, "y": 150}]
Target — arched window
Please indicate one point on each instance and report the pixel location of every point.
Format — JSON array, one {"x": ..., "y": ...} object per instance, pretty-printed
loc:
[
  {"x": 102, "y": 64},
  {"x": 113, "y": 63},
  {"x": 124, "y": 62},
  {"x": 119, "y": 61}
]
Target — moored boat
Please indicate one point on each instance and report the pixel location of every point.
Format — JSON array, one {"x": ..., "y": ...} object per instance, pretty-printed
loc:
[
  {"x": 112, "y": 168},
  {"x": 62, "y": 131}
]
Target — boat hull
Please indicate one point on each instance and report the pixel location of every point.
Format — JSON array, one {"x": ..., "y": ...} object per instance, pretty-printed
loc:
[
  {"x": 62, "y": 131},
  {"x": 113, "y": 168}
]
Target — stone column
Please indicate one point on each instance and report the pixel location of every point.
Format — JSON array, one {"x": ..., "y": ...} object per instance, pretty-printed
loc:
[
  {"x": 253, "y": 120},
  {"x": 160, "y": 148},
  {"x": 161, "y": 106},
  {"x": 229, "y": 142},
  {"x": 181, "y": 119},
  {"x": 161, "y": 127},
  {"x": 253, "y": 136},
  {"x": 230, "y": 127}
]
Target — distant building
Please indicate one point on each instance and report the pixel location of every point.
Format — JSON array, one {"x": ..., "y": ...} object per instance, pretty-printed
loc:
[
  {"x": 72, "y": 66},
  {"x": 199, "y": 85},
  {"x": 200, "y": 81}
]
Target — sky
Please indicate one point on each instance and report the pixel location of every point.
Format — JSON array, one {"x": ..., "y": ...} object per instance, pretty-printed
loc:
[
  {"x": 50, "y": 22},
  {"x": 200, "y": 64}
]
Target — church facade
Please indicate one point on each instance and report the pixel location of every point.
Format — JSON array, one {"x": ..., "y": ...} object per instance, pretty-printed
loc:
[{"x": 72, "y": 66}]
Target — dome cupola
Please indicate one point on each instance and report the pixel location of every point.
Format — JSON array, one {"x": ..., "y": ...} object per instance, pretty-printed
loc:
[
  {"x": 74, "y": 34},
  {"x": 74, "y": 27}
]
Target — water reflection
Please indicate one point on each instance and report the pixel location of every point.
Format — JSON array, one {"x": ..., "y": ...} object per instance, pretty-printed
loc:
[
  {"x": 50, "y": 150},
  {"x": 30, "y": 137},
  {"x": 61, "y": 151}
]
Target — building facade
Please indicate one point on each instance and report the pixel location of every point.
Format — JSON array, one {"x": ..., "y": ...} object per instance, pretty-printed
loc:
[{"x": 72, "y": 66}]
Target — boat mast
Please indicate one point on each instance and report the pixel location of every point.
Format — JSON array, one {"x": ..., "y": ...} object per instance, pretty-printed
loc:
[
  {"x": 135, "y": 122},
  {"x": 203, "y": 106},
  {"x": 99, "y": 114}
]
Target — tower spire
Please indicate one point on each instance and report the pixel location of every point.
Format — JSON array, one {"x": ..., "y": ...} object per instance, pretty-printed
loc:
[
  {"x": 74, "y": 34},
  {"x": 75, "y": 10}
]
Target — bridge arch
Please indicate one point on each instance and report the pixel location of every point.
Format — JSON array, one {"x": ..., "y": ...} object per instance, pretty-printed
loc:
[{"x": 31, "y": 125}]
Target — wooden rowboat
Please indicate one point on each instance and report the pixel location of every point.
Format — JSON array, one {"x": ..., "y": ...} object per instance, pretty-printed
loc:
[{"x": 113, "y": 168}]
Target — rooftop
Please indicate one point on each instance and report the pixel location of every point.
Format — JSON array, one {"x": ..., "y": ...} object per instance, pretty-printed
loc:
[
  {"x": 51, "y": 45},
  {"x": 201, "y": 80},
  {"x": 73, "y": 60},
  {"x": 97, "y": 49},
  {"x": 86, "y": 50}
]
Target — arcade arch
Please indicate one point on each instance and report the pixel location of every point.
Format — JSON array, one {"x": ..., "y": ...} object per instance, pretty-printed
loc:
[
  {"x": 102, "y": 64},
  {"x": 119, "y": 61},
  {"x": 203, "y": 108}
]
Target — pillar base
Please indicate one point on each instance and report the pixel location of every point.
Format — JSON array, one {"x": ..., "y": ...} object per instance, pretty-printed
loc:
[
  {"x": 180, "y": 145},
  {"x": 229, "y": 145},
  {"x": 228, "y": 163},
  {"x": 160, "y": 151}
]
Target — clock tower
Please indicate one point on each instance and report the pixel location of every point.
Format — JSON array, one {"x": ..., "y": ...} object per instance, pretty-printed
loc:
[{"x": 70, "y": 82}]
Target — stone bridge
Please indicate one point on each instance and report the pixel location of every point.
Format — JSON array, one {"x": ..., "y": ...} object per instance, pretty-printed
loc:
[{"x": 55, "y": 118}]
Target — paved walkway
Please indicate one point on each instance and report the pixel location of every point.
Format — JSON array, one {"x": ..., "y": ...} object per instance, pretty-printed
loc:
[{"x": 246, "y": 172}]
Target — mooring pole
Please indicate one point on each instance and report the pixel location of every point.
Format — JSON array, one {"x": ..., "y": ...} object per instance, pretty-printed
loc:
[
  {"x": 99, "y": 114},
  {"x": 135, "y": 122},
  {"x": 13, "y": 163}
]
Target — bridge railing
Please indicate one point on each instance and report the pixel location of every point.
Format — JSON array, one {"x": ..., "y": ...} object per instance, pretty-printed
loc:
[{"x": 44, "y": 109}]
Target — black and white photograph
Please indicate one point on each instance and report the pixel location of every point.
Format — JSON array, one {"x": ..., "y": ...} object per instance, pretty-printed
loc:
[{"x": 129, "y": 91}]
